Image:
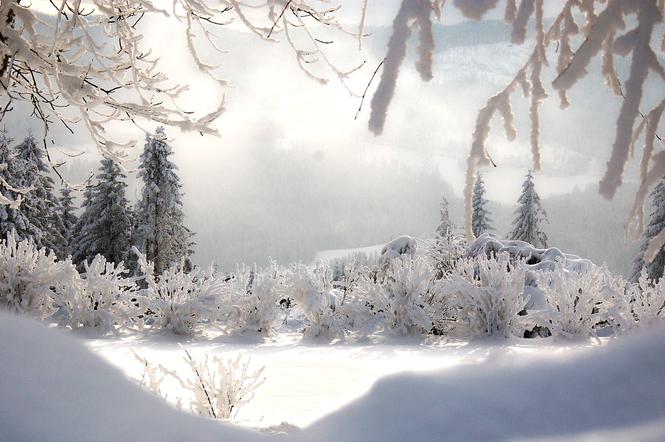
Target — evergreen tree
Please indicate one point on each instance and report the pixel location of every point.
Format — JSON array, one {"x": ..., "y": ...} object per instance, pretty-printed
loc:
[
  {"x": 529, "y": 216},
  {"x": 105, "y": 227},
  {"x": 444, "y": 228},
  {"x": 480, "y": 218},
  {"x": 69, "y": 220},
  {"x": 40, "y": 204},
  {"x": 12, "y": 218},
  {"x": 162, "y": 235},
  {"x": 656, "y": 224}
]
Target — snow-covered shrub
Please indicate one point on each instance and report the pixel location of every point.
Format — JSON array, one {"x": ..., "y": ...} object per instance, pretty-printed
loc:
[
  {"x": 220, "y": 386},
  {"x": 445, "y": 252},
  {"x": 214, "y": 387},
  {"x": 580, "y": 302},
  {"x": 179, "y": 301},
  {"x": 103, "y": 297},
  {"x": 254, "y": 296},
  {"x": 486, "y": 296},
  {"x": 405, "y": 289},
  {"x": 313, "y": 292},
  {"x": 648, "y": 300},
  {"x": 32, "y": 280}
]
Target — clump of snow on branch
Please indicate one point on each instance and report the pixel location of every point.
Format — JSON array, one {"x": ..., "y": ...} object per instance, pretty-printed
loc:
[{"x": 411, "y": 14}]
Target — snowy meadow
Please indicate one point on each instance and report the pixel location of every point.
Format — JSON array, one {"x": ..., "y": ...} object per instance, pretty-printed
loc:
[{"x": 399, "y": 220}]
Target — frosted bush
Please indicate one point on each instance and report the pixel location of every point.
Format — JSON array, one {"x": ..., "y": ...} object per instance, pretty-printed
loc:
[
  {"x": 103, "y": 298},
  {"x": 445, "y": 252},
  {"x": 220, "y": 386},
  {"x": 254, "y": 296},
  {"x": 31, "y": 279},
  {"x": 404, "y": 294},
  {"x": 648, "y": 300},
  {"x": 216, "y": 386},
  {"x": 312, "y": 290},
  {"x": 486, "y": 296},
  {"x": 179, "y": 301},
  {"x": 581, "y": 302}
]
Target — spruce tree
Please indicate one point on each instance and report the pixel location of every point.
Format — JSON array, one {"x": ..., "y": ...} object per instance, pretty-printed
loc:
[
  {"x": 444, "y": 228},
  {"x": 68, "y": 218},
  {"x": 40, "y": 204},
  {"x": 162, "y": 235},
  {"x": 12, "y": 218},
  {"x": 529, "y": 216},
  {"x": 480, "y": 218},
  {"x": 105, "y": 227},
  {"x": 656, "y": 224}
]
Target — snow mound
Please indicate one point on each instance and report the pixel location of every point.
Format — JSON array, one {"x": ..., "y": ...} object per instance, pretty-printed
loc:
[
  {"x": 403, "y": 245},
  {"x": 615, "y": 392},
  {"x": 536, "y": 259},
  {"x": 52, "y": 388}
]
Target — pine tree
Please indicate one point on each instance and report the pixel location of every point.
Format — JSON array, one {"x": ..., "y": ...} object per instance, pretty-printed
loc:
[
  {"x": 480, "y": 219},
  {"x": 12, "y": 218},
  {"x": 66, "y": 212},
  {"x": 444, "y": 228},
  {"x": 162, "y": 235},
  {"x": 529, "y": 216},
  {"x": 40, "y": 204},
  {"x": 656, "y": 224},
  {"x": 105, "y": 227}
]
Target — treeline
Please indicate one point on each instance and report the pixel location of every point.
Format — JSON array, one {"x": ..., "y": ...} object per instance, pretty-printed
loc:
[{"x": 108, "y": 225}]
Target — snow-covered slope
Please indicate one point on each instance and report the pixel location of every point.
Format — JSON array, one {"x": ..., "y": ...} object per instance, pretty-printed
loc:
[
  {"x": 611, "y": 393},
  {"x": 52, "y": 388}
]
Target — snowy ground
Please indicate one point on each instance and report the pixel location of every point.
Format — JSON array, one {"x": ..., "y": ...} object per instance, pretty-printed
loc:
[{"x": 53, "y": 388}]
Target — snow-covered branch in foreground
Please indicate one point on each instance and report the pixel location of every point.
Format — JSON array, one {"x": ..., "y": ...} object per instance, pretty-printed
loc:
[
  {"x": 90, "y": 56},
  {"x": 411, "y": 13},
  {"x": 598, "y": 31}
]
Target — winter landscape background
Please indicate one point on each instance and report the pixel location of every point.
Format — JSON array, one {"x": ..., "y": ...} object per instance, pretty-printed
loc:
[
  {"x": 294, "y": 174},
  {"x": 332, "y": 293}
]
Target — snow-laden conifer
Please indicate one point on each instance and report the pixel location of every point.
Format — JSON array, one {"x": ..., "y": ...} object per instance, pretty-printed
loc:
[
  {"x": 69, "y": 219},
  {"x": 529, "y": 216},
  {"x": 12, "y": 218},
  {"x": 162, "y": 235},
  {"x": 480, "y": 219},
  {"x": 40, "y": 204},
  {"x": 105, "y": 226},
  {"x": 656, "y": 224}
]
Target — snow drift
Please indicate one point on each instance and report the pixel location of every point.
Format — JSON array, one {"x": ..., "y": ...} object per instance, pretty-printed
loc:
[{"x": 51, "y": 388}]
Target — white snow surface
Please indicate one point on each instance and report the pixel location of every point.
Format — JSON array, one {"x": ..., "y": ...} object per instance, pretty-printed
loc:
[{"x": 54, "y": 388}]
